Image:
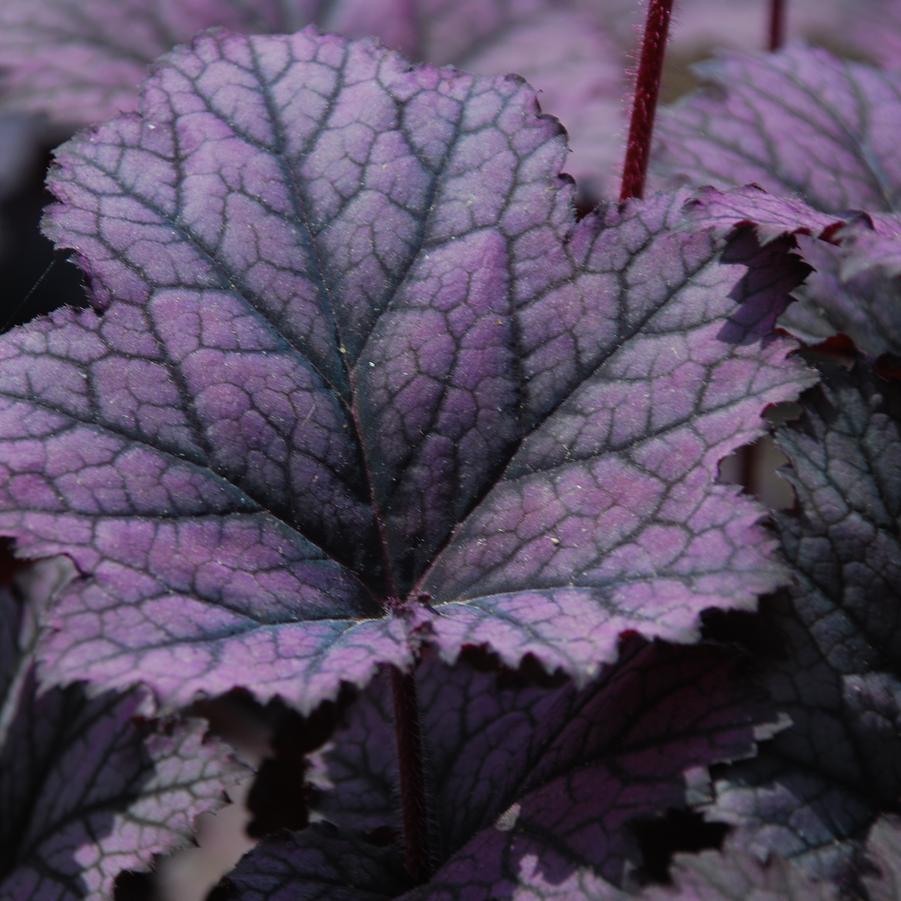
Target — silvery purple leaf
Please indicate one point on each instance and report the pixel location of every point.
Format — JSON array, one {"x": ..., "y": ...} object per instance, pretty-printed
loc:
[
  {"x": 773, "y": 216},
  {"x": 800, "y": 122},
  {"x": 82, "y": 63},
  {"x": 770, "y": 215},
  {"x": 855, "y": 284},
  {"x": 562, "y": 47},
  {"x": 87, "y": 787},
  {"x": 563, "y": 52},
  {"x": 355, "y": 354},
  {"x": 814, "y": 790},
  {"x": 735, "y": 874},
  {"x": 855, "y": 288},
  {"x": 530, "y": 788}
]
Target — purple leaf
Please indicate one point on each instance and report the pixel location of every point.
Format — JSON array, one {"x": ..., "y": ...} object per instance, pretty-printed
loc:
[
  {"x": 87, "y": 788},
  {"x": 770, "y": 215},
  {"x": 813, "y": 791},
  {"x": 736, "y": 875},
  {"x": 81, "y": 63},
  {"x": 563, "y": 48},
  {"x": 529, "y": 787},
  {"x": 855, "y": 285},
  {"x": 773, "y": 216},
  {"x": 855, "y": 288},
  {"x": 354, "y": 349},
  {"x": 565, "y": 53},
  {"x": 800, "y": 122}
]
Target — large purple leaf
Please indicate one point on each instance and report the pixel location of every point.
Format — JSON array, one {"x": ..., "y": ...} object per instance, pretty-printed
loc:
[
  {"x": 855, "y": 284},
  {"x": 815, "y": 789},
  {"x": 529, "y": 787},
  {"x": 86, "y": 788},
  {"x": 81, "y": 63},
  {"x": 354, "y": 348},
  {"x": 800, "y": 122}
]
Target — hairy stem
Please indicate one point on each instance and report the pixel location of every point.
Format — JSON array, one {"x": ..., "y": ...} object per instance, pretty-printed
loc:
[
  {"x": 644, "y": 104},
  {"x": 777, "y": 24},
  {"x": 408, "y": 734}
]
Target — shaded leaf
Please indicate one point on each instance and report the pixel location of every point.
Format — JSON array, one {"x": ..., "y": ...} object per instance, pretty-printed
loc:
[
  {"x": 814, "y": 791},
  {"x": 325, "y": 865},
  {"x": 529, "y": 788},
  {"x": 87, "y": 787},
  {"x": 800, "y": 122},
  {"x": 355, "y": 349}
]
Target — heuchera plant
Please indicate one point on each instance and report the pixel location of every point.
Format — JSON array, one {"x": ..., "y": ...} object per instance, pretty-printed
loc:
[{"x": 367, "y": 423}]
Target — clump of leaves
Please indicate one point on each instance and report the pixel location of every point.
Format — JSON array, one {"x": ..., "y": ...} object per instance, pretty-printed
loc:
[{"x": 364, "y": 415}]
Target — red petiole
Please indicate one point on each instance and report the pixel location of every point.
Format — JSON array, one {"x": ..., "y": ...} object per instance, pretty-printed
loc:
[{"x": 644, "y": 105}]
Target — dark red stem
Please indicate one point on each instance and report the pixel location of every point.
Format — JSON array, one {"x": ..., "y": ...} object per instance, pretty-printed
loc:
[
  {"x": 647, "y": 89},
  {"x": 777, "y": 24},
  {"x": 408, "y": 734}
]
